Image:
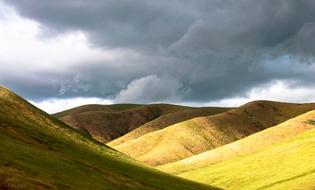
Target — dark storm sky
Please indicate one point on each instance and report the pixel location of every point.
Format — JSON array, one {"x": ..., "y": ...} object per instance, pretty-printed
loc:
[{"x": 160, "y": 51}]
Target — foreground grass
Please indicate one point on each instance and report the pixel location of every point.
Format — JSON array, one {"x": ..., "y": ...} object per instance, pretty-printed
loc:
[
  {"x": 250, "y": 144},
  {"x": 197, "y": 135},
  {"x": 286, "y": 165},
  {"x": 40, "y": 152}
]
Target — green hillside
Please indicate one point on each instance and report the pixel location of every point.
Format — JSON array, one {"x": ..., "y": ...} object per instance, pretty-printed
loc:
[
  {"x": 289, "y": 164},
  {"x": 40, "y": 152},
  {"x": 191, "y": 137},
  {"x": 165, "y": 121},
  {"x": 250, "y": 144}
]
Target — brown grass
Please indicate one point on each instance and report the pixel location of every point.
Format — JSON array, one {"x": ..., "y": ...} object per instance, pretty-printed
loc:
[{"x": 107, "y": 122}]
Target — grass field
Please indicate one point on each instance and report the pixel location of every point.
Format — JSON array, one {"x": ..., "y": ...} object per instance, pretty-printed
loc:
[
  {"x": 40, "y": 152},
  {"x": 248, "y": 145},
  {"x": 289, "y": 164},
  {"x": 197, "y": 135}
]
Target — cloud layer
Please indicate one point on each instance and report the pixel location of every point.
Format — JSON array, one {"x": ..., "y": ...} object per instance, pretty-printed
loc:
[{"x": 152, "y": 51}]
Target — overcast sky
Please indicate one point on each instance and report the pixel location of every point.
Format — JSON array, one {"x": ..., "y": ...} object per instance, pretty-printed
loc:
[{"x": 63, "y": 53}]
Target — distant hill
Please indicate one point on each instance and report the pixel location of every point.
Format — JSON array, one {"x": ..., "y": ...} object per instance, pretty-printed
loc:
[
  {"x": 165, "y": 121},
  {"x": 251, "y": 144},
  {"x": 108, "y": 122},
  {"x": 40, "y": 152},
  {"x": 288, "y": 164},
  {"x": 198, "y": 135}
]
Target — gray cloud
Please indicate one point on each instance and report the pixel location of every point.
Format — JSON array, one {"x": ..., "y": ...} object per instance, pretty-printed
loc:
[{"x": 205, "y": 50}]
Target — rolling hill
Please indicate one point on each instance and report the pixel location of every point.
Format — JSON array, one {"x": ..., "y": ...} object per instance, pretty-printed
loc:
[
  {"x": 245, "y": 146},
  {"x": 108, "y": 122},
  {"x": 289, "y": 164},
  {"x": 165, "y": 121},
  {"x": 191, "y": 137},
  {"x": 40, "y": 152}
]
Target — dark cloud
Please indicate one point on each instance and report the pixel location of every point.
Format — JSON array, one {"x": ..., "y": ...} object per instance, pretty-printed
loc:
[
  {"x": 113, "y": 23},
  {"x": 205, "y": 50}
]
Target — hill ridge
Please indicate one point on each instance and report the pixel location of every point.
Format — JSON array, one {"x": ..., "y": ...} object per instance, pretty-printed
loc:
[{"x": 200, "y": 134}]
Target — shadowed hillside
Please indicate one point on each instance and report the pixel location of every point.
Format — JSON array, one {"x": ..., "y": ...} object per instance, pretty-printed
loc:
[
  {"x": 107, "y": 122},
  {"x": 40, "y": 152},
  {"x": 250, "y": 144},
  {"x": 165, "y": 121},
  {"x": 197, "y": 135},
  {"x": 289, "y": 164}
]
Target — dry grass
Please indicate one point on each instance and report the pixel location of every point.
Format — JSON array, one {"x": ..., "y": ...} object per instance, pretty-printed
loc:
[{"x": 197, "y": 135}]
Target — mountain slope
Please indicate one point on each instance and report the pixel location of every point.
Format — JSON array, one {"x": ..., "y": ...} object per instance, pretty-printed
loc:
[
  {"x": 197, "y": 135},
  {"x": 250, "y": 144},
  {"x": 289, "y": 164},
  {"x": 165, "y": 121},
  {"x": 107, "y": 122},
  {"x": 40, "y": 152}
]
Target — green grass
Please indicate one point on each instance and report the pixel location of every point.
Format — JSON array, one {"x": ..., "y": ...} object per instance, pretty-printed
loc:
[
  {"x": 248, "y": 145},
  {"x": 289, "y": 164},
  {"x": 197, "y": 135},
  {"x": 40, "y": 152}
]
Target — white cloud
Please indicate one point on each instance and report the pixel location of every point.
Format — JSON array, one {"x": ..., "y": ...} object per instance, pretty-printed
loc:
[
  {"x": 22, "y": 49},
  {"x": 149, "y": 88},
  {"x": 56, "y": 105}
]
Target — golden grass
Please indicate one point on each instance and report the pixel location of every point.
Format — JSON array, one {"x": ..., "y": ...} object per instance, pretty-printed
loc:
[
  {"x": 197, "y": 135},
  {"x": 250, "y": 144},
  {"x": 288, "y": 164}
]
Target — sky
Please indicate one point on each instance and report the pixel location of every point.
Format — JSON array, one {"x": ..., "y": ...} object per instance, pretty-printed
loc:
[{"x": 60, "y": 54}]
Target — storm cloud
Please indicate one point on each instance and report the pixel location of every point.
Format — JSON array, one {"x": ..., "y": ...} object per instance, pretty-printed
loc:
[{"x": 179, "y": 50}]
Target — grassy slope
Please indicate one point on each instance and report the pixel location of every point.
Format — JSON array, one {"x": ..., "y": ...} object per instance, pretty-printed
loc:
[
  {"x": 289, "y": 164},
  {"x": 107, "y": 122},
  {"x": 40, "y": 152},
  {"x": 165, "y": 121},
  {"x": 200, "y": 134},
  {"x": 250, "y": 144}
]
